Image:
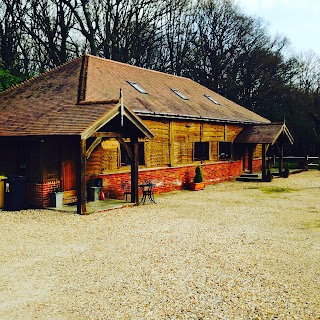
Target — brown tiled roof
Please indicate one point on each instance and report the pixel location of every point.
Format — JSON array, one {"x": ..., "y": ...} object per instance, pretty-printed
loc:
[
  {"x": 48, "y": 104},
  {"x": 106, "y": 77},
  {"x": 264, "y": 133}
]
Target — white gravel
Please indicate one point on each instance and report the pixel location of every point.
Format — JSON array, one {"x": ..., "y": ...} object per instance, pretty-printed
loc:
[{"x": 231, "y": 251}]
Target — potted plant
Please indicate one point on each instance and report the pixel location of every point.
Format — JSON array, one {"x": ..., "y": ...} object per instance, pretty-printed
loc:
[
  {"x": 286, "y": 171},
  {"x": 269, "y": 176},
  {"x": 197, "y": 183}
]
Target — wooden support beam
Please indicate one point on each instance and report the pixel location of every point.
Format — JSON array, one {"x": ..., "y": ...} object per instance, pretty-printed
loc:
[
  {"x": 250, "y": 157},
  {"x": 43, "y": 161},
  {"x": 264, "y": 162},
  {"x": 281, "y": 159},
  {"x": 95, "y": 143},
  {"x": 107, "y": 135},
  {"x": 171, "y": 144},
  {"x": 134, "y": 171},
  {"x": 81, "y": 179},
  {"x": 126, "y": 147}
]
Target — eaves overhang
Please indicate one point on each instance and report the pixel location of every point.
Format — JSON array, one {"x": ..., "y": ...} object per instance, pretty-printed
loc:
[{"x": 196, "y": 118}]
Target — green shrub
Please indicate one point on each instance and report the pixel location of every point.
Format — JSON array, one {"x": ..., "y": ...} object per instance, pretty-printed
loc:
[{"x": 198, "y": 177}]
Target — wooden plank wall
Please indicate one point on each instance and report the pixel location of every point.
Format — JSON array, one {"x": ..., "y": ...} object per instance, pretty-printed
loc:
[
  {"x": 8, "y": 165},
  {"x": 257, "y": 151},
  {"x": 104, "y": 159},
  {"x": 172, "y": 145},
  {"x": 185, "y": 133},
  {"x": 157, "y": 150},
  {"x": 34, "y": 167}
]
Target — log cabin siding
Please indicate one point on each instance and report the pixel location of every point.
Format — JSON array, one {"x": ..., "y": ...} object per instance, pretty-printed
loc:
[
  {"x": 157, "y": 149},
  {"x": 257, "y": 151},
  {"x": 232, "y": 132},
  {"x": 176, "y": 137}
]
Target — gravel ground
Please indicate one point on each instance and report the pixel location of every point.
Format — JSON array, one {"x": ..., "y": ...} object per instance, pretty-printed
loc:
[{"x": 232, "y": 251}]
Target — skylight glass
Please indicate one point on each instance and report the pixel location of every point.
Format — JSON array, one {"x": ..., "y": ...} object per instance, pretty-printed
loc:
[
  {"x": 178, "y": 93},
  {"x": 212, "y": 99},
  {"x": 137, "y": 87}
]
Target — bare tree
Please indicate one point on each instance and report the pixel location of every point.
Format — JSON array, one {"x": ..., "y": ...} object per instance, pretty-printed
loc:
[
  {"x": 49, "y": 25},
  {"x": 9, "y": 35},
  {"x": 178, "y": 36},
  {"x": 309, "y": 72}
]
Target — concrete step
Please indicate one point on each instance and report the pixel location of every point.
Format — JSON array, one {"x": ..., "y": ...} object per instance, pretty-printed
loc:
[
  {"x": 248, "y": 179},
  {"x": 247, "y": 176},
  {"x": 250, "y": 175}
]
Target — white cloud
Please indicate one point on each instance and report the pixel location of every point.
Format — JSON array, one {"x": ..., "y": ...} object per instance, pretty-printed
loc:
[{"x": 296, "y": 19}]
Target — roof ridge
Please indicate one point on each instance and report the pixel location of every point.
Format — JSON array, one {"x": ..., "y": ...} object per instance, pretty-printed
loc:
[
  {"x": 137, "y": 67},
  {"x": 41, "y": 74}
]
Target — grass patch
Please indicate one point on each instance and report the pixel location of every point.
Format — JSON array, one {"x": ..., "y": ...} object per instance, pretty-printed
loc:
[
  {"x": 312, "y": 224},
  {"x": 252, "y": 188},
  {"x": 276, "y": 190}
]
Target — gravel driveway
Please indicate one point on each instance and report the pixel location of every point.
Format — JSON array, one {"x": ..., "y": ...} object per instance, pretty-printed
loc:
[{"x": 232, "y": 251}]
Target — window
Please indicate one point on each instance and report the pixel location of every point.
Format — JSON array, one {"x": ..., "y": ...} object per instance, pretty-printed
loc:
[
  {"x": 125, "y": 159},
  {"x": 212, "y": 99},
  {"x": 178, "y": 93},
  {"x": 201, "y": 150},
  {"x": 137, "y": 87},
  {"x": 225, "y": 150}
]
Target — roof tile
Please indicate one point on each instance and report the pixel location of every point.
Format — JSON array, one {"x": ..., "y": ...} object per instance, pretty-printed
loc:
[{"x": 48, "y": 104}]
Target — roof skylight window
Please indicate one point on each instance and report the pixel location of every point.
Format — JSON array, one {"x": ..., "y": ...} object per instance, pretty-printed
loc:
[
  {"x": 212, "y": 99},
  {"x": 137, "y": 87},
  {"x": 178, "y": 93}
]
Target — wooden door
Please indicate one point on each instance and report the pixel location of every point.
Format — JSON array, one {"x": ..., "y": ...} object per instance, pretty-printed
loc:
[
  {"x": 244, "y": 156},
  {"x": 69, "y": 175}
]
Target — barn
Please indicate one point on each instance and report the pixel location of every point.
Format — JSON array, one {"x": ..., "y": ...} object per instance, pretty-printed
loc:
[{"x": 94, "y": 119}]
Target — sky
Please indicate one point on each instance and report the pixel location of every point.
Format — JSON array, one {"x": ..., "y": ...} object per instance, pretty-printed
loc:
[{"x": 298, "y": 20}]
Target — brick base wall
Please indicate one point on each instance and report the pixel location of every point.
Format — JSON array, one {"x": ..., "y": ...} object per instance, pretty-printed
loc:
[
  {"x": 256, "y": 165},
  {"x": 166, "y": 179},
  {"x": 38, "y": 194},
  {"x": 170, "y": 179}
]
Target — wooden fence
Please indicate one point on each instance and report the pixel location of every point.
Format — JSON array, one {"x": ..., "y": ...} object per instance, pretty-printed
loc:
[{"x": 293, "y": 162}]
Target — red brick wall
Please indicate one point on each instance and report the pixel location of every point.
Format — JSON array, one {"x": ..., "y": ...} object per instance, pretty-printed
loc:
[
  {"x": 166, "y": 179},
  {"x": 256, "y": 165},
  {"x": 38, "y": 194},
  {"x": 170, "y": 179}
]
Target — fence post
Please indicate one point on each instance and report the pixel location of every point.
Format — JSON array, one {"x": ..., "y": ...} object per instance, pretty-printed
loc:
[
  {"x": 319, "y": 162},
  {"x": 306, "y": 162}
]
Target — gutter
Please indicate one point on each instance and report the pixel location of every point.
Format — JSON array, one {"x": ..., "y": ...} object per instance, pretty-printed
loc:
[{"x": 197, "y": 118}]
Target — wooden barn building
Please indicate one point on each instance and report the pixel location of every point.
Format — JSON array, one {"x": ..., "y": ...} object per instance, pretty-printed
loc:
[{"x": 96, "y": 118}]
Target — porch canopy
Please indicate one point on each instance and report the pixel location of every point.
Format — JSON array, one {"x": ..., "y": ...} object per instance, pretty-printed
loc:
[
  {"x": 266, "y": 134},
  {"x": 119, "y": 123}
]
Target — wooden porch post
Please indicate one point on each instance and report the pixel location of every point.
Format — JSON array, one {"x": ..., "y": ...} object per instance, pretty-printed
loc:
[
  {"x": 281, "y": 159},
  {"x": 134, "y": 171},
  {"x": 250, "y": 157},
  {"x": 264, "y": 162},
  {"x": 171, "y": 144},
  {"x": 81, "y": 179}
]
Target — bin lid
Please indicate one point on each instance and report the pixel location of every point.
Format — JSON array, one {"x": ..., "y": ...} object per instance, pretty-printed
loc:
[{"x": 3, "y": 177}]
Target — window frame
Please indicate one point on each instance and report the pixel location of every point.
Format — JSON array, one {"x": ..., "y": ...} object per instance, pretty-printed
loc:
[
  {"x": 205, "y": 154},
  {"x": 226, "y": 157},
  {"x": 127, "y": 162},
  {"x": 179, "y": 94},
  {"x": 137, "y": 86},
  {"x": 212, "y": 99}
]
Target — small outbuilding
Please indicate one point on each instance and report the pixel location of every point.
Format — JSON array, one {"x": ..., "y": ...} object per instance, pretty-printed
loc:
[{"x": 266, "y": 135}]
